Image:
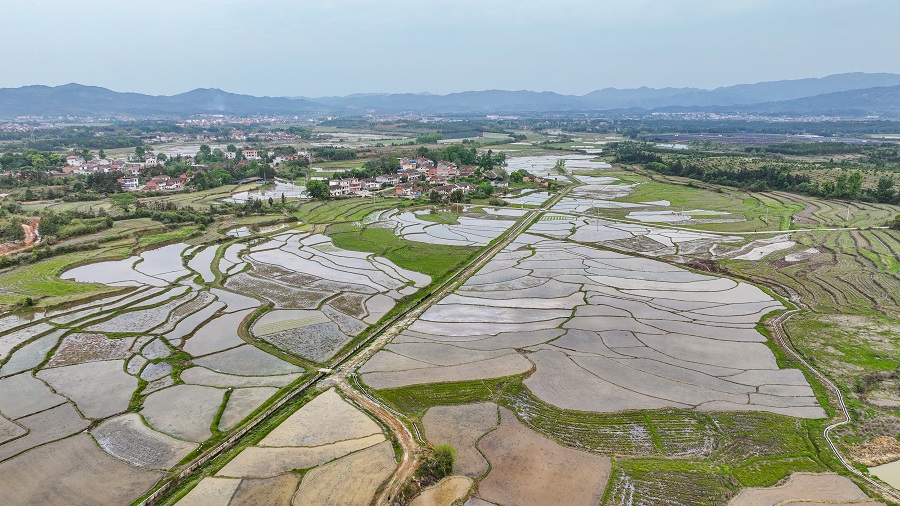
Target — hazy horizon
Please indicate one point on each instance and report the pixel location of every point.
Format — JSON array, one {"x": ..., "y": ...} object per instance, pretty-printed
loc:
[
  {"x": 278, "y": 48},
  {"x": 222, "y": 88}
]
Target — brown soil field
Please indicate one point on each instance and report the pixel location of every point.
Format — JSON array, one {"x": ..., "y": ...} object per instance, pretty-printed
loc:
[
  {"x": 326, "y": 419},
  {"x": 348, "y": 481},
  {"x": 461, "y": 427},
  {"x": 877, "y": 451},
  {"x": 211, "y": 492},
  {"x": 825, "y": 488},
  {"x": 528, "y": 469},
  {"x": 268, "y": 462},
  {"x": 65, "y": 473},
  {"x": 276, "y": 491},
  {"x": 444, "y": 493}
]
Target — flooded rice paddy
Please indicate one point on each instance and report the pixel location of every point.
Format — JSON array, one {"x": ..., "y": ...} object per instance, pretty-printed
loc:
[{"x": 126, "y": 387}]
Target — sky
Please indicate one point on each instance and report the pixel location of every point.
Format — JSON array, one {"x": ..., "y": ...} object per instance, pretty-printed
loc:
[{"x": 318, "y": 48}]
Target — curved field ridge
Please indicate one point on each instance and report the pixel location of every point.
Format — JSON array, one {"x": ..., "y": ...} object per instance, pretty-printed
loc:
[
  {"x": 603, "y": 331},
  {"x": 807, "y": 489},
  {"x": 645, "y": 239},
  {"x": 63, "y": 379},
  {"x": 325, "y": 295}
]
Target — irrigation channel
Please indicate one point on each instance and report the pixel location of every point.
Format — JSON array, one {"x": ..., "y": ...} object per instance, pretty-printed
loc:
[{"x": 342, "y": 366}]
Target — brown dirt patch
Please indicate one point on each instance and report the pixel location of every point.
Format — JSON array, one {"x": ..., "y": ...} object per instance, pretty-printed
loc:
[
  {"x": 461, "y": 427},
  {"x": 444, "y": 493},
  {"x": 875, "y": 452},
  {"x": 528, "y": 469},
  {"x": 348, "y": 481},
  {"x": 826, "y": 487},
  {"x": 70, "y": 472},
  {"x": 275, "y": 491}
]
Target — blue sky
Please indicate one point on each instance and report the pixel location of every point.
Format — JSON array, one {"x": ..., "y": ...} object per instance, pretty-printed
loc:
[{"x": 317, "y": 48}]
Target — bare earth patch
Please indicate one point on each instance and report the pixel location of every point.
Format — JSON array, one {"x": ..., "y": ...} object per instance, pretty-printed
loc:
[
  {"x": 276, "y": 491},
  {"x": 444, "y": 493},
  {"x": 460, "y": 427},
  {"x": 326, "y": 419},
  {"x": 65, "y": 473},
  {"x": 348, "y": 481},
  {"x": 528, "y": 469},
  {"x": 807, "y": 488}
]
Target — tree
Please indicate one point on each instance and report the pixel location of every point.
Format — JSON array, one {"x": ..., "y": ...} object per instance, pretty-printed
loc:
[
  {"x": 139, "y": 152},
  {"x": 434, "y": 197},
  {"x": 456, "y": 196},
  {"x": 318, "y": 190},
  {"x": 282, "y": 199},
  {"x": 122, "y": 201},
  {"x": 884, "y": 191},
  {"x": 101, "y": 154},
  {"x": 438, "y": 465},
  {"x": 896, "y": 223}
]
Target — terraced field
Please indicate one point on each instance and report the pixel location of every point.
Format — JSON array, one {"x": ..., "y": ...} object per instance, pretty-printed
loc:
[
  {"x": 154, "y": 372},
  {"x": 564, "y": 371}
]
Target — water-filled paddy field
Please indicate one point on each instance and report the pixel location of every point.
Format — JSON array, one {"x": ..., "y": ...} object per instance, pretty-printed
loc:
[{"x": 132, "y": 385}]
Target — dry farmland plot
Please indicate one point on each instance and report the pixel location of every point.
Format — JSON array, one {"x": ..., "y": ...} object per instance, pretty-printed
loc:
[
  {"x": 66, "y": 472},
  {"x": 528, "y": 469},
  {"x": 806, "y": 488},
  {"x": 444, "y": 493},
  {"x": 461, "y": 427},
  {"x": 344, "y": 455}
]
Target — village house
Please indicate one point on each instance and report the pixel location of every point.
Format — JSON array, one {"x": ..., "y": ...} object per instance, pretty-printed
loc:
[
  {"x": 424, "y": 165},
  {"x": 410, "y": 175},
  {"x": 74, "y": 161},
  {"x": 409, "y": 190},
  {"x": 465, "y": 187},
  {"x": 444, "y": 190},
  {"x": 128, "y": 183},
  {"x": 499, "y": 183},
  {"x": 151, "y": 186},
  {"x": 387, "y": 179},
  {"x": 159, "y": 180},
  {"x": 172, "y": 184},
  {"x": 370, "y": 183},
  {"x": 229, "y": 155},
  {"x": 250, "y": 154}
]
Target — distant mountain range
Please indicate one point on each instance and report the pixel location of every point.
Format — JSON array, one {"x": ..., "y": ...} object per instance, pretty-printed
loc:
[{"x": 848, "y": 95}]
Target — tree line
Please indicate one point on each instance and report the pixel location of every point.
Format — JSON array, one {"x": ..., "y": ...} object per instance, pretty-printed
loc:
[{"x": 847, "y": 186}]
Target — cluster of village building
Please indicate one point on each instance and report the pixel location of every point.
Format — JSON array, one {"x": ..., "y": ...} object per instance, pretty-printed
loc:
[
  {"x": 132, "y": 170},
  {"x": 408, "y": 178},
  {"x": 414, "y": 177}
]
